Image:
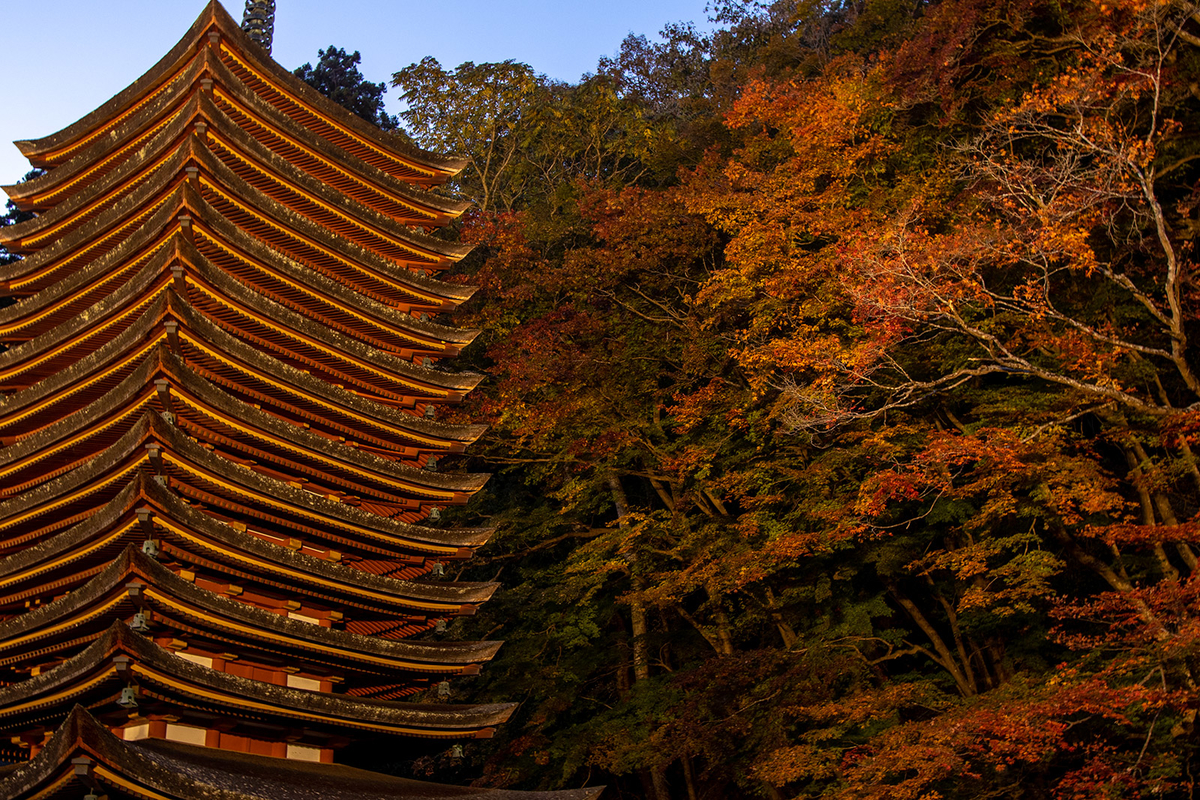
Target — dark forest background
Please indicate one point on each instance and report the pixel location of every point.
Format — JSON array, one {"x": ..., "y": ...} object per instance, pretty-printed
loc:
[{"x": 844, "y": 402}]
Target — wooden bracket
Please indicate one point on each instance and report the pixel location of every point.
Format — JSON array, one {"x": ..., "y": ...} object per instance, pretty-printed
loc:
[
  {"x": 154, "y": 449},
  {"x": 172, "y": 328},
  {"x": 163, "y": 387}
]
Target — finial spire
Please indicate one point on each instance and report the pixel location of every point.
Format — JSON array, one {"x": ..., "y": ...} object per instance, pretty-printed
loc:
[{"x": 258, "y": 21}]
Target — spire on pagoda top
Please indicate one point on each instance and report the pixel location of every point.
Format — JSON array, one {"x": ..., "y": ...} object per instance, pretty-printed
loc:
[{"x": 258, "y": 21}]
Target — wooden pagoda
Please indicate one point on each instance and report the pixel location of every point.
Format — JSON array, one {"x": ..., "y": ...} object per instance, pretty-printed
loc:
[{"x": 218, "y": 446}]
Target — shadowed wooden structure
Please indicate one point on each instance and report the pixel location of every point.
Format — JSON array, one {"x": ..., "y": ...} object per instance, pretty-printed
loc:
[{"x": 218, "y": 470}]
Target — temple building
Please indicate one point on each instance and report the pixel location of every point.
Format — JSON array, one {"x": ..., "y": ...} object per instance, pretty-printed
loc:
[{"x": 219, "y": 438}]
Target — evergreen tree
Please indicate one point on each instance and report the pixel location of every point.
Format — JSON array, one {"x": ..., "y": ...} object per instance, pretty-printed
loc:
[
  {"x": 13, "y": 215},
  {"x": 337, "y": 77}
]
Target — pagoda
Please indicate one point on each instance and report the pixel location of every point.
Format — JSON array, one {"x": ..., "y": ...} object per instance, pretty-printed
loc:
[{"x": 219, "y": 443}]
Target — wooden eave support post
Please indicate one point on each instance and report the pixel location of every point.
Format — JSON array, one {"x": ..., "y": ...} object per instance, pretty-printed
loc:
[
  {"x": 179, "y": 280},
  {"x": 154, "y": 451},
  {"x": 145, "y": 517},
  {"x": 185, "y": 226},
  {"x": 172, "y": 330},
  {"x": 84, "y": 768},
  {"x": 162, "y": 388}
]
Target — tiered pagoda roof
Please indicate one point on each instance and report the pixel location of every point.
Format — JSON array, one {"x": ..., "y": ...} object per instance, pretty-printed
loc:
[
  {"x": 84, "y": 753},
  {"x": 218, "y": 445}
]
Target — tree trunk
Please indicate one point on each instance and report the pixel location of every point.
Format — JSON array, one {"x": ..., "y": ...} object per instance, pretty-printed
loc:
[
  {"x": 772, "y": 791},
  {"x": 786, "y": 631},
  {"x": 942, "y": 655},
  {"x": 637, "y": 609},
  {"x": 1163, "y": 505},
  {"x": 624, "y": 651},
  {"x": 1139, "y": 483},
  {"x": 724, "y": 639},
  {"x": 689, "y": 777},
  {"x": 637, "y": 616},
  {"x": 1118, "y": 580}
]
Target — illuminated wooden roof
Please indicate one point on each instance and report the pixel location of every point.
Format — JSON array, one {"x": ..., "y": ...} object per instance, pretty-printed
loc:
[
  {"x": 153, "y": 447},
  {"x": 411, "y": 434},
  {"x": 182, "y": 208},
  {"x": 96, "y": 254},
  {"x": 192, "y": 692},
  {"x": 246, "y": 168},
  {"x": 266, "y": 286},
  {"x": 228, "y": 560},
  {"x": 276, "y": 85},
  {"x": 32, "y": 457},
  {"x": 263, "y": 324},
  {"x": 84, "y": 755},
  {"x": 241, "y": 116},
  {"x": 96, "y": 393},
  {"x": 134, "y": 582}
]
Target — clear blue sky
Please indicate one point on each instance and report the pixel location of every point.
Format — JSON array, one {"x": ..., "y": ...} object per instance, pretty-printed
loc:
[{"x": 65, "y": 57}]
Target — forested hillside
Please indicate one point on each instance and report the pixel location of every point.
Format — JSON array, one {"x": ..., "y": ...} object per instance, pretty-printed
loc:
[{"x": 844, "y": 402}]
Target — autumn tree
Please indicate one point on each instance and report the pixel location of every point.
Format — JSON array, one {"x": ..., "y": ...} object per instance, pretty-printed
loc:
[
  {"x": 841, "y": 403},
  {"x": 1009, "y": 320},
  {"x": 482, "y": 111}
]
